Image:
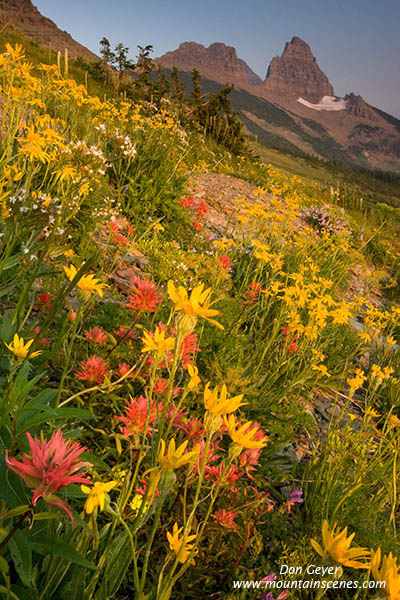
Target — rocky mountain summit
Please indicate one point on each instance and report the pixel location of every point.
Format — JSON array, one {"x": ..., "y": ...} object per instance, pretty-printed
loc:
[
  {"x": 357, "y": 106},
  {"x": 217, "y": 62},
  {"x": 26, "y": 17},
  {"x": 297, "y": 73}
]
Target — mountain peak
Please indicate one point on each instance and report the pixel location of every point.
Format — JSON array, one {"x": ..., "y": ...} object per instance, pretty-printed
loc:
[
  {"x": 23, "y": 15},
  {"x": 296, "y": 73},
  {"x": 218, "y": 62}
]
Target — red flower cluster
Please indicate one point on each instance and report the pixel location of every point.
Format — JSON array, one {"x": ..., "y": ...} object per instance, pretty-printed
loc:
[
  {"x": 292, "y": 347},
  {"x": 115, "y": 230},
  {"x": 225, "y": 263},
  {"x": 188, "y": 349},
  {"x": 145, "y": 296},
  {"x": 135, "y": 417},
  {"x": 123, "y": 332},
  {"x": 201, "y": 209},
  {"x": 96, "y": 335},
  {"x": 123, "y": 369},
  {"x": 252, "y": 295},
  {"x": 44, "y": 302},
  {"x": 50, "y": 466},
  {"x": 226, "y": 518},
  {"x": 93, "y": 370}
]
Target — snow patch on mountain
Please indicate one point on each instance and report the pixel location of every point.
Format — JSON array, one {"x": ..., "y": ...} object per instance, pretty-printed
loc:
[{"x": 327, "y": 103}]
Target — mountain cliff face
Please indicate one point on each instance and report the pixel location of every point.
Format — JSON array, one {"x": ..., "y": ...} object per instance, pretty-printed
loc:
[
  {"x": 23, "y": 15},
  {"x": 218, "y": 62},
  {"x": 346, "y": 129},
  {"x": 297, "y": 73}
]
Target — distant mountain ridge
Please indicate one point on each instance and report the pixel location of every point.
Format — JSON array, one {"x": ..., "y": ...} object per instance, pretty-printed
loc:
[
  {"x": 307, "y": 114},
  {"x": 26, "y": 17}
]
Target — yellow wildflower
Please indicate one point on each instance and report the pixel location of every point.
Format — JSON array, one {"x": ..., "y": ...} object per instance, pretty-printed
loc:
[
  {"x": 97, "y": 495},
  {"x": 193, "y": 306},
  {"x": 219, "y": 404},
  {"x": 356, "y": 381},
  {"x": 157, "y": 343},
  {"x": 247, "y": 435},
  {"x": 322, "y": 369},
  {"x": 194, "y": 377},
  {"x": 388, "y": 571},
  {"x": 181, "y": 545},
  {"x": 336, "y": 545},
  {"x": 16, "y": 53},
  {"x": 5, "y": 213},
  {"x": 87, "y": 283},
  {"x": 20, "y": 348},
  {"x": 370, "y": 412},
  {"x": 174, "y": 457}
]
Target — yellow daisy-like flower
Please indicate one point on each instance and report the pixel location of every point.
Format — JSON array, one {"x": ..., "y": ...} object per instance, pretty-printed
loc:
[
  {"x": 157, "y": 343},
  {"x": 21, "y": 349},
  {"x": 370, "y": 412},
  {"x": 194, "y": 377},
  {"x": 193, "y": 306},
  {"x": 219, "y": 404},
  {"x": 357, "y": 380},
  {"x": 97, "y": 495},
  {"x": 388, "y": 572},
  {"x": 322, "y": 369},
  {"x": 87, "y": 283},
  {"x": 244, "y": 435},
  {"x": 336, "y": 545},
  {"x": 174, "y": 457},
  {"x": 180, "y": 545}
]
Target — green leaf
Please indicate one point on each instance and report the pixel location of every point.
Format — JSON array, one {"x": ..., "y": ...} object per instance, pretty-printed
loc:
[
  {"x": 4, "y": 570},
  {"x": 49, "y": 414},
  {"x": 5, "y": 437},
  {"x": 22, "y": 556},
  {"x": 61, "y": 549},
  {"x": 7, "y": 330},
  {"x": 12, "y": 489},
  {"x": 118, "y": 559}
]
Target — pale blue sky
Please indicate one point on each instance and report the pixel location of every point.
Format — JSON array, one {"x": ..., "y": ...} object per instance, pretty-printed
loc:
[{"x": 356, "y": 42}]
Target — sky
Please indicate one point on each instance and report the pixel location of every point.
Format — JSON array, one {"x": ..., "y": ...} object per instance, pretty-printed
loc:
[{"x": 356, "y": 42}]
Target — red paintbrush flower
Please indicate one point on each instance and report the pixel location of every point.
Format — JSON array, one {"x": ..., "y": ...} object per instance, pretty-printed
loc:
[
  {"x": 96, "y": 335},
  {"x": 197, "y": 226},
  {"x": 145, "y": 296},
  {"x": 123, "y": 369},
  {"x": 50, "y": 466},
  {"x": 93, "y": 370},
  {"x": 225, "y": 263},
  {"x": 123, "y": 332},
  {"x": 192, "y": 428},
  {"x": 187, "y": 202},
  {"x": 135, "y": 417},
  {"x": 253, "y": 293},
  {"x": 201, "y": 208},
  {"x": 188, "y": 349},
  {"x": 248, "y": 459},
  {"x": 161, "y": 388},
  {"x": 226, "y": 518},
  {"x": 215, "y": 472}
]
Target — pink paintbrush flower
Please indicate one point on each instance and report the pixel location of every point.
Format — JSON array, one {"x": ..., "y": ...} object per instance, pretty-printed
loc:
[
  {"x": 93, "y": 370},
  {"x": 96, "y": 335},
  {"x": 50, "y": 466},
  {"x": 145, "y": 296}
]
